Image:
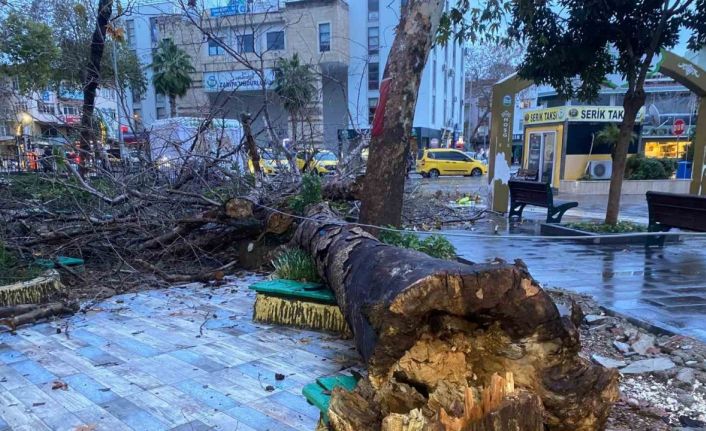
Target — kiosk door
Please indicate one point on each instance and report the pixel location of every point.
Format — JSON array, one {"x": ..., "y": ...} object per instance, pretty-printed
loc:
[{"x": 542, "y": 146}]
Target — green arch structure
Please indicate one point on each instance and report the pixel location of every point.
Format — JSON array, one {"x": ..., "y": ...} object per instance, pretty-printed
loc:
[{"x": 505, "y": 91}]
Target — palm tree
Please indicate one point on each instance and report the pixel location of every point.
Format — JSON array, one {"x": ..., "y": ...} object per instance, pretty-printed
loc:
[
  {"x": 295, "y": 84},
  {"x": 172, "y": 72},
  {"x": 610, "y": 135}
]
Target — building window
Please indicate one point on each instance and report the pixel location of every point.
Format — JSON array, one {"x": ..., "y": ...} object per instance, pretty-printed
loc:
[
  {"x": 70, "y": 110},
  {"x": 215, "y": 48},
  {"x": 245, "y": 43},
  {"x": 130, "y": 31},
  {"x": 444, "y": 119},
  {"x": 159, "y": 97},
  {"x": 324, "y": 37},
  {"x": 275, "y": 40},
  {"x": 373, "y": 76},
  {"x": 161, "y": 113},
  {"x": 373, "y": 10},
  {"x": 372, "y": 106},
  {"x": 136, "y": 96},
  {"x": 446, "y": 85},
  {"x": 433, "y": 109},
  {"x": 433, "y": 75},
  {"x": 45, "y": 108},
  {"x": 373, "y": 40}
]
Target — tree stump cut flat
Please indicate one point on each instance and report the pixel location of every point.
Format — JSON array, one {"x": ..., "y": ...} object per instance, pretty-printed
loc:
[{"x": 434, "y": 332}]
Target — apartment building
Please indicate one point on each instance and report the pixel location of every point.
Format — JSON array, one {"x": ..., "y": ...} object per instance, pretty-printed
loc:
[{"x": 439, "y": 113}]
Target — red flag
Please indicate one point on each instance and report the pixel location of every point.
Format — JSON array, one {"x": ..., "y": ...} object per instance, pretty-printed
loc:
[{"x": 379, "y": 117}]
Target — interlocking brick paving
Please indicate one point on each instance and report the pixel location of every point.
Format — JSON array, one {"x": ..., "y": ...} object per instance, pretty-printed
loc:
[
  {"x": 186, "y": 359},
  {"x": 663, "y": 286}
]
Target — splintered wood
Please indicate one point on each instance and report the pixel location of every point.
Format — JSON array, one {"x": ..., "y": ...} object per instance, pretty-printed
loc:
[{"x": 449, "y": 346}]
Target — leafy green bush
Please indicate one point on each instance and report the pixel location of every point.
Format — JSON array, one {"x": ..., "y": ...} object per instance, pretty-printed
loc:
[
  {"x": 620, "y": 227},
  {"x": 296, "y": 264},
  {"x": 669, "y": 165},
  {"x": 638, "y": 167},
  {"x": 650, "y": 169},
  {"x": 438, "y": 246},
  {"x": 309, "y": 194},
  {"x": 433, "y": 245}
]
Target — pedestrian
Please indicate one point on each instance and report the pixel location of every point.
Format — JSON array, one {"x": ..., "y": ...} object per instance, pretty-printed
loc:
[{"x": 47, "y": 159}]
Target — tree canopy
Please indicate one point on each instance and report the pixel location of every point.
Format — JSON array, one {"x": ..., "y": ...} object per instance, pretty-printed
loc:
[
  {"x": 48, "y": 46},
  {"x": 589, "y": 39},
  {"x": 27, "y": 51},
  {"x": 294, "y": 83},
  {"x": 172, "y": 71}
]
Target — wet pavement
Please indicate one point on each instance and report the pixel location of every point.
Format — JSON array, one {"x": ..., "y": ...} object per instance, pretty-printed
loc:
[
  {"x": 181, "y": 359},
  {"x": 665, "y": 287},
  {"x": 632, "y": 207}
]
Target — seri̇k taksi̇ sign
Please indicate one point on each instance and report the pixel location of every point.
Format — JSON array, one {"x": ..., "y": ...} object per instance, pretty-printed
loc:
[{"x": 608, "y": 114}]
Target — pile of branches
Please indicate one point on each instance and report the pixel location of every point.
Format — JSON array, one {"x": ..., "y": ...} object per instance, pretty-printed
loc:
[{"x": 146, "y": 222}]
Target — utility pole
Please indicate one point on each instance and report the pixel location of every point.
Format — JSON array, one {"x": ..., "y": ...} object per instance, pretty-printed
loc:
[{"x": 118, "y": 95}]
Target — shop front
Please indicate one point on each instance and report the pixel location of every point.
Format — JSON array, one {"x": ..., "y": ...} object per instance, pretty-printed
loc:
[{"x": 560, "y": 143}]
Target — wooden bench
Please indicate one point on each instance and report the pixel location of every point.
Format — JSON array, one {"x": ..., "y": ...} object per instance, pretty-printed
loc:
[
  {"x": 526, "y": 174},
  {"x": 523, "y": 193},
  {"x": 672, "y": 210}
]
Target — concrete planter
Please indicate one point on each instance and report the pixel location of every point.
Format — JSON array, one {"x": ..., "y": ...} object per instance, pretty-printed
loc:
[
  {"x": 630, "y": 187},
  {"x": 549, "y": 229}
]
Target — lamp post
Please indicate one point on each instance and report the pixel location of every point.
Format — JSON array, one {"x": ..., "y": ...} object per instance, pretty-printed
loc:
[{"x": 118, "y": 98}]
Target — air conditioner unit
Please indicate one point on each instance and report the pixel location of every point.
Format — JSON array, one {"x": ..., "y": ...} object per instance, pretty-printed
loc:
[{"x": 600, "y": 169}]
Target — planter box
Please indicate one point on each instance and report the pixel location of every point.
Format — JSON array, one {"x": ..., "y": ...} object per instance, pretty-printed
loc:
[
  {"x": 630, "y": 187},
  {"x": 549, "y": 229}
]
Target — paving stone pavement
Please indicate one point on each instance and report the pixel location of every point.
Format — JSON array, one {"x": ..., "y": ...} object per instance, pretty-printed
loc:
[
  {"x": 665, "y": 287},
  {"x": 181, "y": 359}
]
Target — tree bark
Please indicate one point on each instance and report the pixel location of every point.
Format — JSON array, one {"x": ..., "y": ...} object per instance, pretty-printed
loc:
[
  {"x": 250, "y": 145},
  {"x": 172, "y": 106},
  {"x": 632, "y": 104},
  {"x": 387, "y": 163},
  {"x": 429, "y": 329},
  {"x": 93, "y": 74}
]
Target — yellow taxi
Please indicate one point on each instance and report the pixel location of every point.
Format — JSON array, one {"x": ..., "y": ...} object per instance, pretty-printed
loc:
[
  {"x": 445, "y": 161},
  {"x": 269, "y": 165},
  {"x": 322, "y": 162}
]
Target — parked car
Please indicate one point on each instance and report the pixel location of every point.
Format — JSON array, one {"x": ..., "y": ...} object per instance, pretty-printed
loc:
[
  {"x": 269, "y": 164},
  {"x": 443, "y": 161},
  {"x": 322, "y": 162}
]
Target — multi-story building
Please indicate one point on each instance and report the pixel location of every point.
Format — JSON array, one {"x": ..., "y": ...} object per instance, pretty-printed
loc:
[
  {"x": 142, "y": 32},
  {"x": 439, "y": 111},
  {"x": 235, "y": 50}
]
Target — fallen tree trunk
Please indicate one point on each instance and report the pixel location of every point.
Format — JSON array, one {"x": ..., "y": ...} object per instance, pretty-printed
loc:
[
  {"x": 273, "y": 221},
  {"x": 31, "y": 313},
  {"x": 343, "y": 190},
  {"x": 431, "y": 329}
]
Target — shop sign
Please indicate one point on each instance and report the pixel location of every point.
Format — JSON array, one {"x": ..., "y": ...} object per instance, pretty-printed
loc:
[
  {"x": 240, "y": 7},
  {"x": 236, "y": 80},
  {"x": 548, "y": 115},
  {"x": 593, "y": 114}
]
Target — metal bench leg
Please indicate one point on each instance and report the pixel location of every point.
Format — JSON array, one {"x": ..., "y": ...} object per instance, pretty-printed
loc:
[
  {"x": 516, "y": 210},
  {"x": 656, "y": 240},
  {"x": 554, "y": 215}
]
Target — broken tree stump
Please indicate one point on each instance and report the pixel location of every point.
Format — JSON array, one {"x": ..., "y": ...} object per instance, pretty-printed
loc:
[{"x": 431, "y": 329}]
